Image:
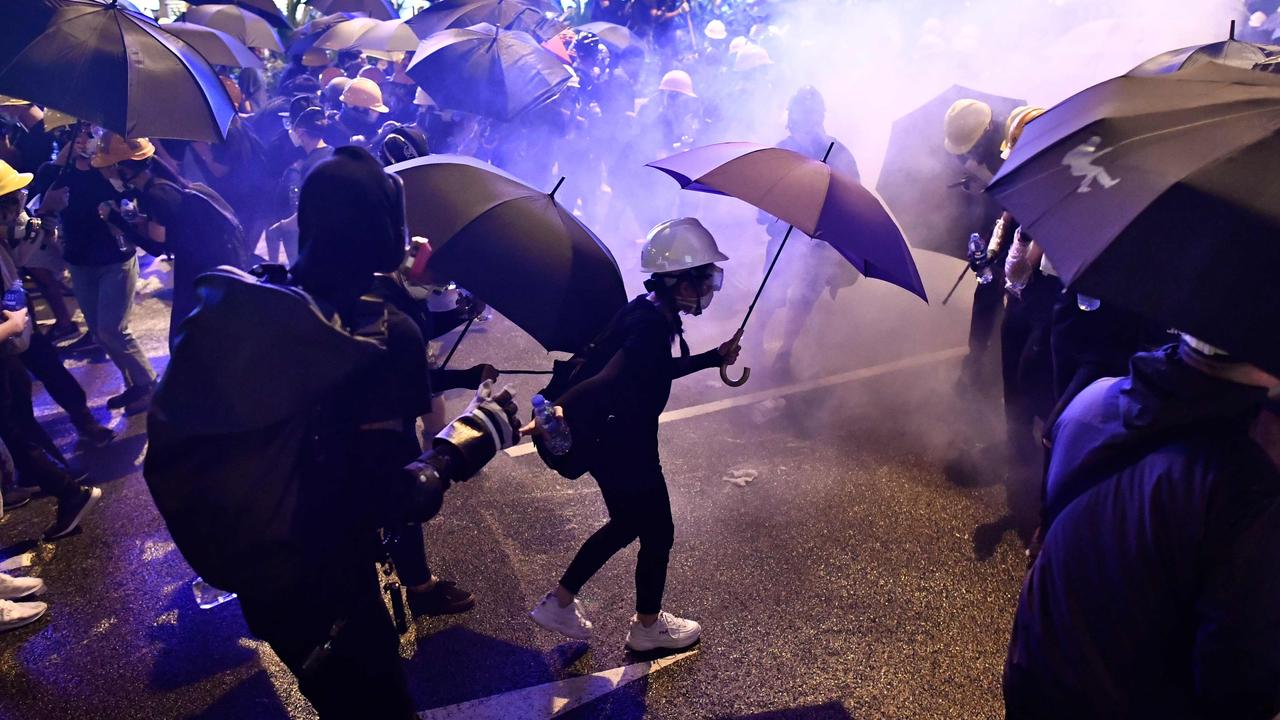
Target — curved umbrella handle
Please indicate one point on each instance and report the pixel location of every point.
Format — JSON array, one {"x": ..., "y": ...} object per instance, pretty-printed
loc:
[{"x": 724, "y": 375}]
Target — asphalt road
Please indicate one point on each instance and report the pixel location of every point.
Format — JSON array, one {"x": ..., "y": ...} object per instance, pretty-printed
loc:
[{"x": 855, "y": 575}]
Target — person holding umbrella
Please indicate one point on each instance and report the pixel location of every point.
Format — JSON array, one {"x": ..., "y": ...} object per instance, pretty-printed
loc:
[{"x": 625, "y": 383}]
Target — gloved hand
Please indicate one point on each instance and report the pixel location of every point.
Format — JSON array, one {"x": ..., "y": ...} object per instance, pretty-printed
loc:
[{"x": 489, "y": 424}]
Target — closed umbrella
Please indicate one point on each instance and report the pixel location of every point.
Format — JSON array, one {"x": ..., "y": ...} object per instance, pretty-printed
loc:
[
  {"x": 487, "y": 71},
  {"x": 376, "y": 9},
  {"x": 111, "y": 67},
  {"x": 616, "y": 37},
  {"x": 925, "y": 186},
  {"x": 237, "y": 22},
  {"x": 389, "y": 36},
  {"x": 513, "y": 246},
  {"x": 506, "y": 14},
  {"x": 1154, "y": 193},
  {"x": 808, "y": 194},
  {"x": 217, "y": 47},
  {"x": 265, "y": 9}
]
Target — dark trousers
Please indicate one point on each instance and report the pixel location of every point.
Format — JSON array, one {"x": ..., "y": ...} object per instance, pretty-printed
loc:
[
  {"x": 35, "y": 456},
  {"x": 639, "y": 508},
  {"x": 410, "y": 557},
  {"x": 361, "y": 676},
  {"x": 42, "y": 360}
]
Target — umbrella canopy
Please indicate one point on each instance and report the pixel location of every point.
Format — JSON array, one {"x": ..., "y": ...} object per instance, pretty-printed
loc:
[
  {"x": 389, "y": 36},
  {"x": 344, "y": 34},
  {"x": 616, "y": 37},
  {"x": 1155, "y": 193},
  {"x": 506, "y": 14},
  {"x": 237, "y": 22},
  {"x": 513, "y": 246},
  {"x": 307, "y": 35},
  {"x": 217, "y": 47},
  {"x": 486, "y": 71},
  {"x": 376, "y": 9},
  {"x": 823, "y": 204},
  {"x": 921, "y": 181},
  {"x": 1228, "y": 52},
  {"x": 265, "y": 9},
  {"x": 111, "y": 67}
]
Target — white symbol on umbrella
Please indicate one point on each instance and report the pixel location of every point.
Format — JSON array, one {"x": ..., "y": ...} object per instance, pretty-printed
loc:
[{"x": 1080, "y": 161}]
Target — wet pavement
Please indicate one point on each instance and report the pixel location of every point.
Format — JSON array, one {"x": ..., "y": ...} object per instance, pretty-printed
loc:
[{"x": 833, "y": 537}]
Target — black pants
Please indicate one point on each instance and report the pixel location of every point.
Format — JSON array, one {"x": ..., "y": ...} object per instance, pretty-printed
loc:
[
  {"x": 362, "y": 676},
  {"x": 42, "y": 360},
  {"x": 988, "y": 307},
  {"x": 410, "y": 557},
  {"x": 639, "y": 508},
  {"x": 35, "y": 456}
]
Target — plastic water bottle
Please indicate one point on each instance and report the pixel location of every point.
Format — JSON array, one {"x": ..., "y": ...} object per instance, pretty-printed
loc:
[
  {"x": 1086, "y": 303},
  {"x": 978, "y": 259},
  {"x": 208, "y": 596},
  {"x": 558, "y": 440},
  {"x": 15, "y": 298},
  {"x": 128, "y": 210}
]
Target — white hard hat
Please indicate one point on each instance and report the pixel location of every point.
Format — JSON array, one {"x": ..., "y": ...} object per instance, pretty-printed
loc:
[
  {"x": 751, "y": 57},
  {"x": 680, "y": 244},
  {"x": 678, "y": 81},
  {"x": 966, "y": 122},
  {"x": 736, "y": 44},
  {"x": 716, "y": 30}
]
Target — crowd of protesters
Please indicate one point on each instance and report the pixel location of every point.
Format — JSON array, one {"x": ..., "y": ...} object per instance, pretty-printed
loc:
[{"x": 1149, "y": 468}]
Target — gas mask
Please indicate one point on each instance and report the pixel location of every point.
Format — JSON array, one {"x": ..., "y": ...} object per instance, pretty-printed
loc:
[{"x": 709, "y": 283}]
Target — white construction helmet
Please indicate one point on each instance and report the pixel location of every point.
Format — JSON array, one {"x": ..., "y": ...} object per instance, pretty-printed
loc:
[
  {"x": 678, "y": 81},
  {"x": 680, "y": 244},
  {"x": 966, "y": 122}
]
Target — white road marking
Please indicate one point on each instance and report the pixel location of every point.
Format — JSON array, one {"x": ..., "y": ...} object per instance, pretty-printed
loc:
[
  {"x": 542, "y": 702},
  {"x": 866, "y": 373}
]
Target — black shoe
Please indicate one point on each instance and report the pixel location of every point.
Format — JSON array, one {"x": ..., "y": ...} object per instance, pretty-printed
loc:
[
  {"x": 15, "y": 497},
  {"x": 131, "y": 397},
  {"x": 71, "y": 512},
  {"x": 92, "y": 431},
  {"x": 85, "y": 344},
  {"x": 444, "y": 598}
]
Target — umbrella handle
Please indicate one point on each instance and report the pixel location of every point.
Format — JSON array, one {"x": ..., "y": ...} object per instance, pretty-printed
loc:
[{"x": 724, "y": 375}]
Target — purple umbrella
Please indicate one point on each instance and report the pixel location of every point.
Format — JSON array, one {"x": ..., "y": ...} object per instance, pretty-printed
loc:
[{"x": 808, "y": 194}]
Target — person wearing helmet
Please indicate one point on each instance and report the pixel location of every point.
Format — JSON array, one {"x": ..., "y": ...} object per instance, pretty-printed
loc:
[
  {"x": 401, "y": 143},
  {"x": 629, "y": 371},
  {"x": 362, "y": 108},
  {"x": 816, "y": 265},
  {"x": 333, "y": 91}
]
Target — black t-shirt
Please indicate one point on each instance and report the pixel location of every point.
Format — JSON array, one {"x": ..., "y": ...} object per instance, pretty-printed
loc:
[{"x": 86, "y": 238}]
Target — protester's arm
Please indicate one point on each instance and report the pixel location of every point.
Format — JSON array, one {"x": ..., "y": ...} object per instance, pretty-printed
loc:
[
  {"x": 726, "y": 354},
  {"x": 15, "y": 321}
]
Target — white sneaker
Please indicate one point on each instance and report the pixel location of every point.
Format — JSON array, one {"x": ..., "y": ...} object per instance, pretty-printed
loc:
[
  {"x": 668, "y": 632},
  {"x": 568, "y": 621},
  {"x": 12, "y": 588},
  {"x": 15, "y": 615}
]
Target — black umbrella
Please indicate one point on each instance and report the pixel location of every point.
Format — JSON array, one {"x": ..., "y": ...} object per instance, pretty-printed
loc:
[
  {"x": 514, "y": 247},
  {"x": 616, "y": 37},
  {"x": 265, "y": 9},
  {"x": 1157, "y": 194},
  {"x": 217, "y": 47},
  {"x": 309, "y": 34},
  {"x": 921, "y": 181},
  {"x": 506, "y": 14},
  {"x": 376, "y": 9},
  {"x": 243, "y": 25},
  {"x": 1228, "y": 52},
  {"x": 112, "y": 67},
  {"x": 491, "y": 72}
]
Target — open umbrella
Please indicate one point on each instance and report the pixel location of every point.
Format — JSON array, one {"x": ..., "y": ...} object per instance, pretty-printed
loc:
[
  {"x": 389, "y": 36},
  {"x": 1228, "y": 52},
  {"x": 376, "y": 9},
  {"x": 217, "y": 47},
  {"x": 923, "y": 185},
  {"x": 307, "y": 35},
  {"x": 1155, "y": 193},
  {"x": 344, "y": 34},
  {"x": 237, "y": 22},
  {"x": 616, "y": 37},
  {"x": 487, "y": 71},
  {"x": 112, "y": 67},
  {"x": 265, "y": 9},
  {"x": 506, "y": 14},
  {"x": 808, "y": 194},
  {"x": 513, "y": 246}
]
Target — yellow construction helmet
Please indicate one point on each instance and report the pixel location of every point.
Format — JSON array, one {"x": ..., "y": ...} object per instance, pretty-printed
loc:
[
  {"x": 1014, "y": 126},
  {"x": 11, "y": 180},
  {"x": 113, "y": 148},
  {"x": 966, "y": 122},
  {"x": 364, "y": 93}
]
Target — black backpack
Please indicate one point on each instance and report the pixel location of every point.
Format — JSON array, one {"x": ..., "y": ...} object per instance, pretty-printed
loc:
[{"x": 210, "y": 211}]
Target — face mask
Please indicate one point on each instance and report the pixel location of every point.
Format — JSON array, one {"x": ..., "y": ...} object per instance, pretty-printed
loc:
[
  {"x": 90, "y": 148},
  {"x": 293, "y": 138}
]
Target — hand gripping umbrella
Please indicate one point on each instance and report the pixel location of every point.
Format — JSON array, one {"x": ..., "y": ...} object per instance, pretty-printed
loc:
[
  {"x": 112, "y": 67},
  {"x": 513, "y": 246},
  {"x": 1157, "y": 194},
  {"x": 243, "y": 25},
  {"x": 823, "y": 204}
]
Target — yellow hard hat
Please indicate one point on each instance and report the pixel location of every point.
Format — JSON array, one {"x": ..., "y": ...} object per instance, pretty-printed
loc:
[
  {"x": 54, "y": 119},
  {"x": 678, "y": 81},
  {"x": 1014, "y": 126},
  {"x": 328, "y": 74},
  {"x": 6, "y": 101},
  {"x": 11, "y": 180},
  {"x": 113, "y": 148},
  {"x": 364, "y": 93},
  {"x": 967, "y": 121}
]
